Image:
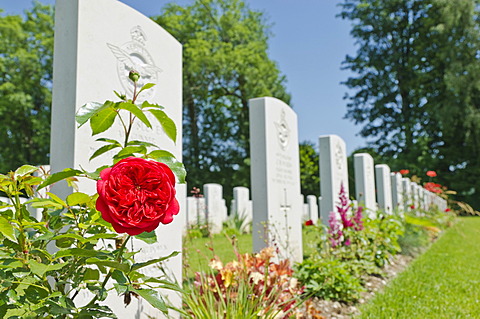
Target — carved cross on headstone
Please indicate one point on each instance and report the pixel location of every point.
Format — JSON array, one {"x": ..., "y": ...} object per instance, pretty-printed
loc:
[{"x": 285, "y": 208}]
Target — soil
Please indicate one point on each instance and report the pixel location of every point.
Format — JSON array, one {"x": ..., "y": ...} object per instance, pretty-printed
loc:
[{"x": 337, "y": 310}]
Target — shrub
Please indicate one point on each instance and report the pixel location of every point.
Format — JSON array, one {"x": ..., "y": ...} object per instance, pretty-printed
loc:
[{"x": 329, "y": 279}]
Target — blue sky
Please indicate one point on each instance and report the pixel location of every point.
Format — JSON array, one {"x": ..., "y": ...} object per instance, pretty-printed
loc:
[{"x": 309, "y": 43}]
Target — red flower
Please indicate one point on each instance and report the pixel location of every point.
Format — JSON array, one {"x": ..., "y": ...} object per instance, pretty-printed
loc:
[
  {"x": 447, "y": 210},
  {"x": 136, "y": 195},
  {"x": 404, "y": 171},
  {"x": 309, "y": 222},
  {"x": 412, "y": 206},
  {"x": 431, "y": 173},
  {"x": 433, "y": 187}
]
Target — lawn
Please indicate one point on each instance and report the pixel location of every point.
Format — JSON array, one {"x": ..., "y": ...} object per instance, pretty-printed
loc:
[
  {"x": 198, "y": 251},
  {"x": 444, "y": 282}
]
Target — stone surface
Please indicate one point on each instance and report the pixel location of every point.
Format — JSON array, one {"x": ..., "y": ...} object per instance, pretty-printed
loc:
[
  {"x": 365, "y": 182},
  {"x": 407, "y": 193},
  {"x": 275, "y": 177},
  {"x": 397, "y": 191},
  {"x": 333, "y": 173},
  {"x": 215, "y": 206},
  {"x": 313, "y": 208},
  {"x": 196, "y": 213},
  {"x": 97, "y": 42},
  {"x": 384, "y": 188}
]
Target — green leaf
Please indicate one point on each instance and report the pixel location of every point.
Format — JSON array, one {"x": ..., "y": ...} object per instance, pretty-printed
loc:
[
  {"x": 44, "y": 203},
  {"x": 159, "y": 154},
  {"x": 40, "y": 269},
  {"x": 135, "y": 110},
  {"x": 66, "y": 173},
  {"x": 103, "y": 120},
  {"x": 167, "y": 124},
  {"x": 79, "y": 252},
  {"x": 108, "y": 263},
  {"x": 149, "y": 238},
  {"x": 146, "y": 87},
  {"x": 56, "y": 199},
  {"x": 146, "y": 104},
  {"x": 153, "y": 298},
  {"x": 91, "y": 274},
  {"x": 137, "y": 266},
  {"x": 7, "y": 229},
  {"x": 141, "y": 143},
  {"x": 177, "y": 167},
  {"x": 78, "y": 198},
  {"x": 103, "y": 149},
  {"x": 24, "y": 170},
  {"x": 85, "y": 112},
  {"x": 130, "y": 150}
]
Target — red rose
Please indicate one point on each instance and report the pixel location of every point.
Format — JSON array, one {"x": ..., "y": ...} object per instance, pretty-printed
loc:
[
  {"x": 447, "y": 210},
  {"x": 431, "y": 173},
  {"x": 404, "y": 171},
  {"x": 309, "y": 222},
  {"x": 136, "y": 195}
]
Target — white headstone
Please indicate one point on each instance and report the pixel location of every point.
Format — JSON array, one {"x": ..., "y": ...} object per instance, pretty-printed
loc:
[
  {"x": 275, "y": 178},
  {"x": 365, "y": 182},
  {"x": 397, "y": 191},
  {"x": 333, "y": 173},
  {"x": 414, "y": 192},
  {"x": 196, "y": 210},
  {"x": 97, "y": 42},
  {"x": 241, "y": 205},
  {"x": 313, "y": 208},
  {"x": 407, "y": 193},
  {"x": 384, "y": 188},
  {"x": 215, "y": 204}
]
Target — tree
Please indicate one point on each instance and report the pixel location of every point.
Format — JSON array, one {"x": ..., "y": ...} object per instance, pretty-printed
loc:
[
  {"x": 26, "y": 54},
  {"x": 309, "y": 169},
  {"x": 225, "y": 64},
  {"x": 416, "y": 83}
]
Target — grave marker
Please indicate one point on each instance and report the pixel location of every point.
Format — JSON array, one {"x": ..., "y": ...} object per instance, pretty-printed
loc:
[
  {"x": 384, "y": 188},
  {"x": 333, "y": 173},
  {"x": 275, "y": 177},
  {"x": 365, "y": 182},
  {"x": 97, "y": 42}
]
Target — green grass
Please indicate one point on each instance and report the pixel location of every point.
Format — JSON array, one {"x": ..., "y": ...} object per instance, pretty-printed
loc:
[
  {"x": 198, "y": 251},
  {"x": 444, "y": 282}
]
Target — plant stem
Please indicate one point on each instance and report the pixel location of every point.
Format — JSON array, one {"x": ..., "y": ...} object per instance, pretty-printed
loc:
[{"x": 118, "y": 259}]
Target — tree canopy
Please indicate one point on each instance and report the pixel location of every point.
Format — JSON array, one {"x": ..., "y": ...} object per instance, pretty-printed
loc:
[
  {"x": 26, "y": 53},
  {"x": 226, "y": 63},
  {"x": 415, "y": 88}
]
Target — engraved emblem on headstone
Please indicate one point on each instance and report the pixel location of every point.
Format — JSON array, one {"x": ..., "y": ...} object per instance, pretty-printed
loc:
[
  {"x": 283, "y": 131},
  {"x": 339, "y": 156},
  {"x": 134, "y": 56}
]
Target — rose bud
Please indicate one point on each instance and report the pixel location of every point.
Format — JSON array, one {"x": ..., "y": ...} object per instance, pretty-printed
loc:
[
  {"x": 134, "y": 75},
  {"x": 136, "y": 195}
]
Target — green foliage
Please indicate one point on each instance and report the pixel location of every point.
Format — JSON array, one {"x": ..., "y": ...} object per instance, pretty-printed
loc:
[
  {"x": 225, "y": 64},
  {"x": 236, "y": 224},
  {"x": 26, "y": 51},
  {"x": 441, "y": 283},
  {"x": 415, "y": 88},
  {"x": 329, "y": 279},
  {"x": 88, "y": 255},
  {"x": 309, "y": 169},
  {"x": 252, "y": 286}
]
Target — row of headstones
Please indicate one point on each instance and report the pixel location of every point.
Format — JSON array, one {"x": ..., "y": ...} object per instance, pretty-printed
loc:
[
  {"x": 87, "y": 43},
  {"x": 278, "y": 207},
  {"x": 212, "y": 209}
]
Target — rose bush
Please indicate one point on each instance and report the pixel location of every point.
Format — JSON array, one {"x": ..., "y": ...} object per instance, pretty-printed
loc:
[{"x": 136, "y": 195}]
